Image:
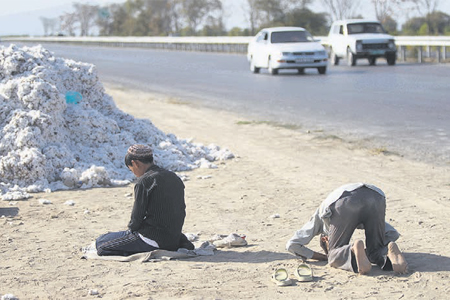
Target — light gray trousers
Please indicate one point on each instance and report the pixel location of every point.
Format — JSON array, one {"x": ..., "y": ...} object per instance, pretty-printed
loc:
[{"x": 361, "y": 206}]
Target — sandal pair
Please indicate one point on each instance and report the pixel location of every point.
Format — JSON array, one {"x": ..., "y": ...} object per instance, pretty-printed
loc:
[{"x": 303, "y": 273}]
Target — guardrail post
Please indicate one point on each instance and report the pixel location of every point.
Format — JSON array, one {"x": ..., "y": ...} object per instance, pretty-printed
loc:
[
  {"x": 403, "y": 53},
  {"x": 420, "y": 55},
  {"x": 439, "y": 54}
]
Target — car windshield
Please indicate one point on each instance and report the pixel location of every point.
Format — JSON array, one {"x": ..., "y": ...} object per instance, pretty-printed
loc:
[
  {"x": 300, "y": 36},
  {"x": 365, "y": 28}
]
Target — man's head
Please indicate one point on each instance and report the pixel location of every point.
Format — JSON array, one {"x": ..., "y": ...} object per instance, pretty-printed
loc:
[{"x": 139, "y": 158}]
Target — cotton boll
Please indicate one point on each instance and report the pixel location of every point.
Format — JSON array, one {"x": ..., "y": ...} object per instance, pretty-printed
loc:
[
  {"x": 94, "y": 177},
  {"x": 9, "y": 297},
  {"x": 48, "y": 144},
  {"x": 70, "y": 177},
  {"x": 22, "y": 167}
]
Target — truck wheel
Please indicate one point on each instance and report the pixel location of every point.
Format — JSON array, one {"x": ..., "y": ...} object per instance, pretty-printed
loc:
[
  {"x": 253, "y": 69},
  {"x": 270, "y": 69},
  {"x": 391, "y": 59},
  {"x": 334, "y": 58},
  {"x": 322, "y": 70},
  {"x": 351, "y": 59}
]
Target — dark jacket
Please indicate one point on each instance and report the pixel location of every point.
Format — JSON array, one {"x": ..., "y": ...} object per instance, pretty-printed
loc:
[{"x": 159, "y": 208}]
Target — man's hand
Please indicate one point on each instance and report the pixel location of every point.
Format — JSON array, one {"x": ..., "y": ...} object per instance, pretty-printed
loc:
[{"x": 319, "y": 256}]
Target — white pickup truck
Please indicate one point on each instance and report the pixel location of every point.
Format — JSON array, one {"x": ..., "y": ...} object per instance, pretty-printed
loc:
[{"x": 354, "y": 39}]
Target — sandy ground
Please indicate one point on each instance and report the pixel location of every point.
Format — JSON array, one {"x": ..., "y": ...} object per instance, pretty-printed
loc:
[{"x": 278, "y": 170}]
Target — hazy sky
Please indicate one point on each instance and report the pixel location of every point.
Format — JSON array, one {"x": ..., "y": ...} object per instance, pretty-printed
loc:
[
  {"x": 22, "y": 16},
  {"x": 9, "y": 7}
]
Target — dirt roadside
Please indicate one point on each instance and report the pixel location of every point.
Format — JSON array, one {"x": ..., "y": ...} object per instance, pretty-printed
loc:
[{"x": 278, "y": 170}]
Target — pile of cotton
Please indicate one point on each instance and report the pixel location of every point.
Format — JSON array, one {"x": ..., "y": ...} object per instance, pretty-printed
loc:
[{"x": 59, "y": 130}]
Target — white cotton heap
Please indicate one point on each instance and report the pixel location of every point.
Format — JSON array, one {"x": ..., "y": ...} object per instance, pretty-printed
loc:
[{"x": 50, "y": 143}]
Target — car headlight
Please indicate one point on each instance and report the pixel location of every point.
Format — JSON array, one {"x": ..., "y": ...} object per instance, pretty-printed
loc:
[
  {"x": 359, "y": 46},
  {"x": 391, "y": 45},
  {"x": 321, "y": 53}
]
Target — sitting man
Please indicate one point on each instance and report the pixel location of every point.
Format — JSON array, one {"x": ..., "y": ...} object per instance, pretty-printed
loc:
[
  {"x": 349, "y": 207},
  {"x": 158, "y": 212}
]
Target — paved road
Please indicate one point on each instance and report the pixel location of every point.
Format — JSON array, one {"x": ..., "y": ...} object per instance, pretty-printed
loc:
[{"x": 404, "y": 108}]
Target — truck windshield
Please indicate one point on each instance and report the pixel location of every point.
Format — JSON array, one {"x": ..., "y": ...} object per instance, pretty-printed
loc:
[
  {"x": 365, "y": 28},
  {"x": 291, "y": 37}
]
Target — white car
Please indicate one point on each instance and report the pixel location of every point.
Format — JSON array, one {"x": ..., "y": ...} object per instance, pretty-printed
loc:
[
  {"x": 355, "y": 39},
  {"x": 286, "y": 48}
]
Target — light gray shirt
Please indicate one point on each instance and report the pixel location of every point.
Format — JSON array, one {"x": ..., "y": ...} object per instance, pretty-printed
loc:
[{"x": 320, "y": 222}]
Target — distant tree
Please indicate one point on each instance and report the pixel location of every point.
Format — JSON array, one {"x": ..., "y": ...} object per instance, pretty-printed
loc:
[
  {"x": 252, "y": 15},
  {"x": 316, "y": 23},
  {"x": 86, "y": 15},
  {"x": 265, "y": 13},
  {"x": 153, "y": 17},
  {"x": 270, "y": 11},
  {"x": 296, "y": 4},
  {"x": 424, "y": 7},
  {"x": 340, "y": 9},
  {"x": 412, "y": 26},
  {"x": 175, "y": 15},
  {"x": 390, "y": 25},
  {"x": 386, "y": 8},
  {"x": 119, "y": 17},
  {"x": 424, "y": 29},
  {"x": 437, "y": 23},
  {"x": 447, "y": 30},
  {"x": 195, "y": 12},
  {"x": 213, "y": 27},
  {"x": 131, "y": 11},
  {"x": 358, "y": 16},
  {"x": 187, "y": 31},
  {"x": 68, "y": 23},
  {"x": 236, "y": 31},
  {"x": 105, "y": 20},
  {"x": 51, "y": 25},
  {"x": 45, "y": 24}
]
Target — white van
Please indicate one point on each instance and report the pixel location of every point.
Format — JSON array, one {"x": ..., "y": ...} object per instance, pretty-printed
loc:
[{"x": 355, "y": 39}]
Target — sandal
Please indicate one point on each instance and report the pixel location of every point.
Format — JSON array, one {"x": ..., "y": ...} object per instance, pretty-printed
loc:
[
  {"x": 281, "y": 277},
  {"x": 303, "y": 273}
]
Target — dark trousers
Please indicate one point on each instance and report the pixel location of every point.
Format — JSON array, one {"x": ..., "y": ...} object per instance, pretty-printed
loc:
[
  {"x": 361, "y": 206},
  {"x": 122, "y": 243}
]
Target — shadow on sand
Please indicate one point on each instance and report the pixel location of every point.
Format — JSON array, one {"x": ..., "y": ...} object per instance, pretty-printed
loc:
[
  {"x": 229, "y": 255},
  {"x": 427, "y": 262},
  {"x": 9, "y": 211}
]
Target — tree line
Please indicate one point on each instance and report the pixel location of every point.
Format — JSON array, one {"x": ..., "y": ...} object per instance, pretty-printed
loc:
[{"x": 207, "y": 17}]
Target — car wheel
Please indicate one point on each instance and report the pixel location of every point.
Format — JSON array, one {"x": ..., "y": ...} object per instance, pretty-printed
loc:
[
  {"x": 372, "y": 61},
  {"x": 322, "y": 70},
  {"x": 351, "y": 59},
  {"x": 271, "y": 70},
  {"x": 301, "y": 70},
  {"x": 334, "y": 58},
  {"x": 253, "y": 69},
  {"x": 391, "y": 59}
]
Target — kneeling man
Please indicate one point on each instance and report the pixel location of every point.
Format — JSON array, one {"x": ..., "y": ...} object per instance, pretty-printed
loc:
[
  {"x": 347, "y": 208},
  {"x": 158, "y": 212}
]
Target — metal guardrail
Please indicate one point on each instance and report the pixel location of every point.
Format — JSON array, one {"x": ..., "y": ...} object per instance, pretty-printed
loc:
[
  {"x": 435, "y": 46},
  {"x": 208, "y": 44}
]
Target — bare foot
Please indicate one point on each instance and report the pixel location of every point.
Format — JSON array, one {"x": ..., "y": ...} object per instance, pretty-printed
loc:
[
  {"x": 398, "y": 261},
  {"x": 364, "y": 265}
]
